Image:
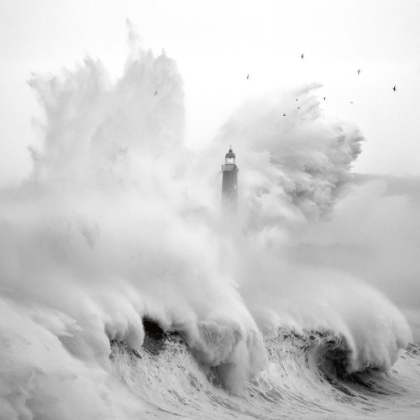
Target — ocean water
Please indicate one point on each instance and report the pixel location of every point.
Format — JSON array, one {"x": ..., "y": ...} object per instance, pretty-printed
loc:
[
  {"x": 305, "y": 379},
  {"x": 125, "y": 293}
]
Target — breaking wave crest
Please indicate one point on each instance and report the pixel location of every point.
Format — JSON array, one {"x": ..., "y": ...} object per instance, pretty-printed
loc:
[{"x": 307, "y": 376}]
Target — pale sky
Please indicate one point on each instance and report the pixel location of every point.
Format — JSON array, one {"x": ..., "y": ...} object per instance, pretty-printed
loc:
[{"x": 216, "y": 44}]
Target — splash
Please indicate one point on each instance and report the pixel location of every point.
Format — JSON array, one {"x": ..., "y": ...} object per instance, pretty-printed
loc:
[{"x": 119, "y": 221}]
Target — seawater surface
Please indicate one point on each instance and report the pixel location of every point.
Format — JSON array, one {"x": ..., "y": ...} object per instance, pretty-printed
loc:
[{"x": 305, "y": 379}]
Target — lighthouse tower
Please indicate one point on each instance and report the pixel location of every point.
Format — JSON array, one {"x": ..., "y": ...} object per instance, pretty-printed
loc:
[{"x": 230, "y": 184}]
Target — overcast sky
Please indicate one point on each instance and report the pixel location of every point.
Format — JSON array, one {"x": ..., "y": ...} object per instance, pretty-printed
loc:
[{"x": 216, "y": 44}]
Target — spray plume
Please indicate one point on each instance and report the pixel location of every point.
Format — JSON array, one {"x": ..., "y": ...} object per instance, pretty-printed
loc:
[{"x": 120, "y": 221}]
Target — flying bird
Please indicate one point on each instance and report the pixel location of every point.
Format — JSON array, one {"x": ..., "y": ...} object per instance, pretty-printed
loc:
[
  {"x": 358, "y": 72},
  {"x": 284, "y": 115},
  {"x": 394, "y": 88},
  {"x": 297, "y": 99},
  {"x": 303, "y": 55},
  {"x": 298, "y": 108},
  {"x": 351, "y": 102},
  {"x": 247, "y": 76},
  {"x": 325, "y": 98},
  {"x": 156, "y": 93}
]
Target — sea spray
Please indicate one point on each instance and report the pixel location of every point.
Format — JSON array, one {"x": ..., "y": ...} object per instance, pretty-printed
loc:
[{"x": 119, "y": 221}]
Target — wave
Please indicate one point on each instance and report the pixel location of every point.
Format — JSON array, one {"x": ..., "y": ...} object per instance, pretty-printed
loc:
[{"x": 307, "y": 376}]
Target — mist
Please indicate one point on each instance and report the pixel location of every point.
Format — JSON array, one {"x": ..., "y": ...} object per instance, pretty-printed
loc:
[{"x": 120, "y": 220}]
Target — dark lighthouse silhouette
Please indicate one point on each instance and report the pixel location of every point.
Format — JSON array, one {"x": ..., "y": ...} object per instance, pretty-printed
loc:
[{"x": 230, "y": 184}]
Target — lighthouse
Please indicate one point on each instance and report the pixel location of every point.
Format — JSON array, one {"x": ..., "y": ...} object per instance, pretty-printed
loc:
[{"x": 230, "y": 184}]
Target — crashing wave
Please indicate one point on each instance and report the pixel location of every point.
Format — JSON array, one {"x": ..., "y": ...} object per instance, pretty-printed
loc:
[{"x": 307, "y": 375}]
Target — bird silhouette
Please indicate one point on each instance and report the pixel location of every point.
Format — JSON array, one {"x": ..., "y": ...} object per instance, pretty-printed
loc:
[
  {"x": 247, "y": 76},
  {"x": 297, "y": 99},
  {"x": 298, "y": 108},
  {"x": 325, "y": 98},
  {"x": 358, "y": 71},
  {"x": 284, "y": 115},
  {"x": 351, "y": 102},
  {"x": 156, "y": 93},
  {"x": 394, "y": 88},
  {"x": 303, "y": 55}
]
